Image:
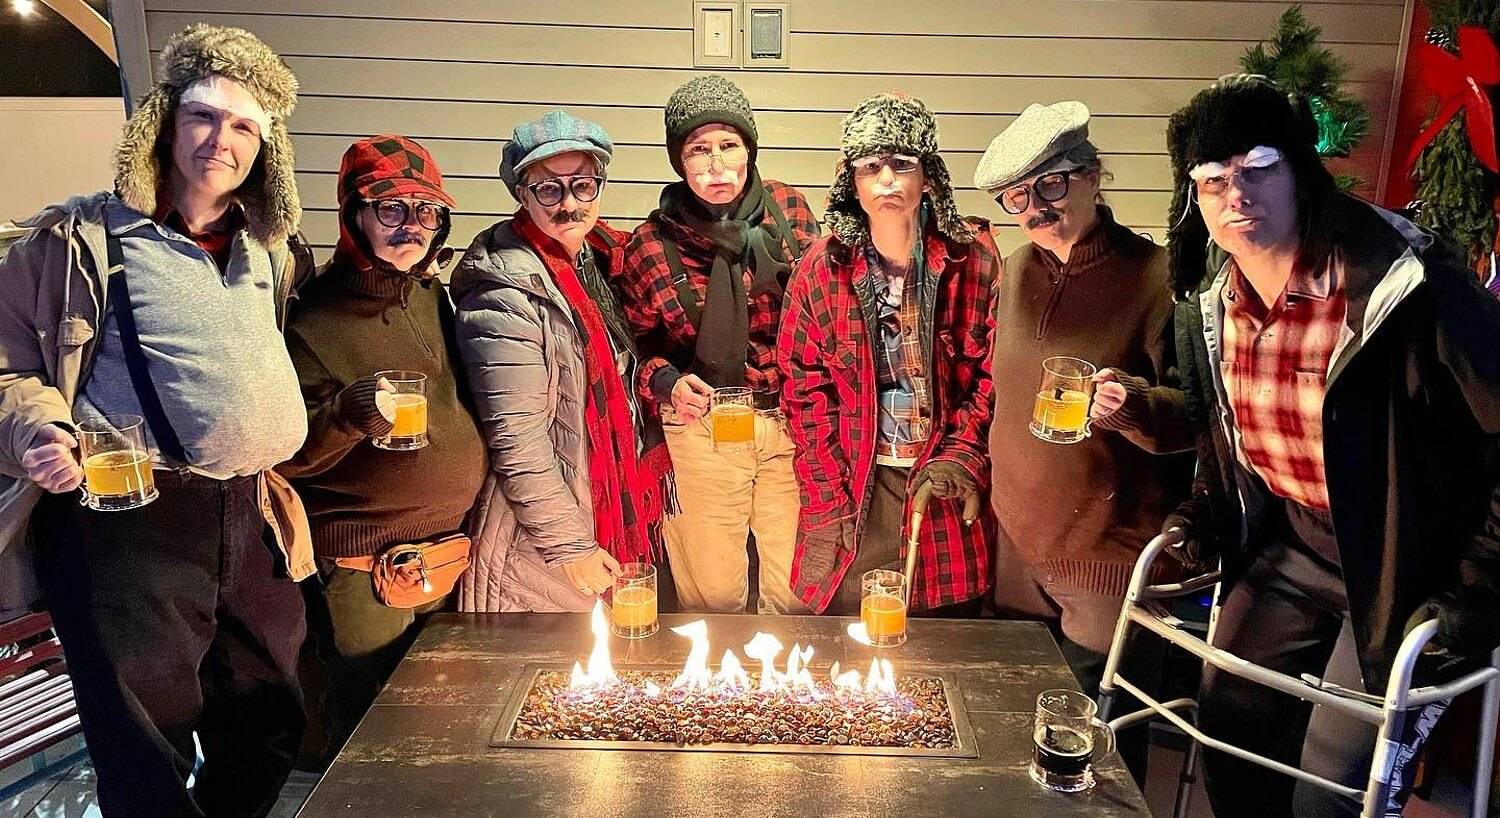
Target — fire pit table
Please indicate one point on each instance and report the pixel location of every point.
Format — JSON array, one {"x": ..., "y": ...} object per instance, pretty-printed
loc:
[{"x": 487, "y": 715}]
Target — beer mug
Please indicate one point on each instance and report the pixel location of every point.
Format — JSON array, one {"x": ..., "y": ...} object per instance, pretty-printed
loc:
[
  {"x": 882, "y": 607},
  {"x": 1061, "y": 413},
  {"x": 409, "y": 432},
  {"x": 116, "y": 465},
  {"x": 731, "y": 418},
  {"x": 633, "y": 601},
  {"x": 1066, "y": 737}
]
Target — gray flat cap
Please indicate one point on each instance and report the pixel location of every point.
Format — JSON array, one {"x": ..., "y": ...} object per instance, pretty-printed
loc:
[{"x": 1042, "y": 136}]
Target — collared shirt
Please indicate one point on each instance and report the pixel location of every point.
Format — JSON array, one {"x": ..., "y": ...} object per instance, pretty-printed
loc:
[
  {"x": 896, "y": 372},
  {"x": 1275, "y": 369}
]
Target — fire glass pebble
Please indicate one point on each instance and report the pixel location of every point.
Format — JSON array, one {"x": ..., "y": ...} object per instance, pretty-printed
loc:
[{"x": 916, "y": 717}]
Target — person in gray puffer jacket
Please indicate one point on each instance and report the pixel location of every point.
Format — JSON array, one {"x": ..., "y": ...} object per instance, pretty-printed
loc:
[{"x": 579, "y": 472}]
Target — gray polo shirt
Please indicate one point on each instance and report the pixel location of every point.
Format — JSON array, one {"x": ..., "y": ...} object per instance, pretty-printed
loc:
[{"x": 210, "y": 339}]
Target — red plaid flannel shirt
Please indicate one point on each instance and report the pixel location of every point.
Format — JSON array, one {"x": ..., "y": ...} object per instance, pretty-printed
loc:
[
  {"x": 830, "y": 398},
  {"x": 662, "y": 329},
  {"x": 1274, "y": 367}
]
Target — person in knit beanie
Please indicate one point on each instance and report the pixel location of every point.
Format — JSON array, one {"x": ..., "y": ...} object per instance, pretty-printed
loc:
[
  {"x": 160, "y": 303},
  {"x": 1342, "y": 379},
  {"x": 703, "y": 285},
  {"x": 376, "y": 305},
  {"x": 883, "y": 352}
]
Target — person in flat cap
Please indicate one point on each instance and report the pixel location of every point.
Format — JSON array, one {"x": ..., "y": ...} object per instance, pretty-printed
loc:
[
  {"x": 159, "y": 305},
  {"x": 377, "y": 306},
  {"x": 1345, "y": 389},
  {"x": 704, "y": 280},
  {"x": 579, "y": 473},
  {"x": 1081, "y": 286},
  {"x": 884, "y": 355}
]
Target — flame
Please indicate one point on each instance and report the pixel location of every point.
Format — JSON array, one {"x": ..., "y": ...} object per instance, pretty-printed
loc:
[
  {"x": 881, "y": 679},
  {"x": 797, "y": 673},
  {"x": 731, "y": 675},
  {"x": 764, "y": 648},
  {"x": 859, "y": 633},
  {"x": 601, "y": 672},
  {"x": 652, "y": 689},
  {"x": 694, "y": 675}
]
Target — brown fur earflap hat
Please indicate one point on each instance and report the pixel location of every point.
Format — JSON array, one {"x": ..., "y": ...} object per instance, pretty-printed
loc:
[
  {"x": 891, "y": 123},
  {"x": 269, "y": 194}
]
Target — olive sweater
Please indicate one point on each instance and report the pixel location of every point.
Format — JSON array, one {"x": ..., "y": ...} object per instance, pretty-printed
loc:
[
  {"x": 1081, "y": 513},
  {"x": 345, "y": 326}
]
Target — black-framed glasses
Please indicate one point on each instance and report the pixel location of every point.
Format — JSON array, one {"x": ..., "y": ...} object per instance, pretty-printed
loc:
[
  {"x": 1049, "y": 187},
  {"x": 394, "y": 213},
  {"x": 549, "y": 192},
  {"x": 897, "y": 162}
]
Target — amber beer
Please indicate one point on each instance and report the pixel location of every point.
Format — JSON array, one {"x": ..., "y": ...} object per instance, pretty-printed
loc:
[
  {"x": 731, "y": 417},
  {"x": 116, "y": 465},
  {"x": 633, "y": 607},
  {"x": 882, "y": 607},
  {"x": 1061, "y": 412},
  {"x": 409, "y": 401}
]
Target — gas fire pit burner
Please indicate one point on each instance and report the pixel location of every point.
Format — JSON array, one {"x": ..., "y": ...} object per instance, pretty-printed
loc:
[{"x": 924, "y": 717}]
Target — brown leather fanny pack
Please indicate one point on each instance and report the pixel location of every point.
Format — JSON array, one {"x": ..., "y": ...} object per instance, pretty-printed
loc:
[{"x": 410, "y": 575}]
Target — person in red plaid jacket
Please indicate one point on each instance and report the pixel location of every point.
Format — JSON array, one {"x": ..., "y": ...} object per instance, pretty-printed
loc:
[
  {"x": 703, "y": 284},
  {"x": 884, "y": 355}
]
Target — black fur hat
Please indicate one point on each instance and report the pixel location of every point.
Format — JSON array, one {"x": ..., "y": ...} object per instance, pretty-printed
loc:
[{"x": 1235, "y": 114}]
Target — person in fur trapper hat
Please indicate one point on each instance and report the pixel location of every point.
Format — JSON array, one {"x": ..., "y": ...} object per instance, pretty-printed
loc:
[
  {"x": 884, "y": 355},
  {"x": 160, "y": 304},
  {"x": 1344, "y": 384}
]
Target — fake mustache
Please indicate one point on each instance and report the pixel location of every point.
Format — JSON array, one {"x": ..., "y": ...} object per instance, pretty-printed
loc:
[
  {"x": 726, "y": 177},
  {"x": 568, "y": 216},
  {"x": 401, "y": 237},
  {"x": 1043, "y": 219}
]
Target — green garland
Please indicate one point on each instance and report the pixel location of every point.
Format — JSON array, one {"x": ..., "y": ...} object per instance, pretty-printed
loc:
[
  {"x": 1298, "y": 64},
  {"x": 1457, "y": 193}
]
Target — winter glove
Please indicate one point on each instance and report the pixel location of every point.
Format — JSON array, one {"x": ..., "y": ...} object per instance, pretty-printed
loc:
[
  {"x": 1189, "y": 552},
  {"x": 366, "y": 406},
  {"x": 948, "y": 479},
  {"x": 1468, "y": 623}
]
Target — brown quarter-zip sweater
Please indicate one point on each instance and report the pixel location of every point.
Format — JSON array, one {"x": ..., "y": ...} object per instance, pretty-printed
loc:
[
  {"x": 1082, "y": 512},
  {"x": 345, "y": 326}
]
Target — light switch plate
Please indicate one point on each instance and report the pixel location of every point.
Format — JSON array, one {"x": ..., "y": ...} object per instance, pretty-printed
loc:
[
  {"x": 717, "y": 41},
  {"x": 766, "y": 36}
]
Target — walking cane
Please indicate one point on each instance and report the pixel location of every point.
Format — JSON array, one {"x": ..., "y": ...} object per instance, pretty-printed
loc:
[{"x": 918, "y": 511}]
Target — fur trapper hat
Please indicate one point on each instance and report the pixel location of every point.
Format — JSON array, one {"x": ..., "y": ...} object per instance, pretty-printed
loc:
[
  {"x": 269, "y": 194},
  {"x": 1227, "y": 119},
  {"x": 891, "y": 123}
]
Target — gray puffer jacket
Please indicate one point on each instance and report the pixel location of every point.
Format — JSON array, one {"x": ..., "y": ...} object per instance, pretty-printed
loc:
[{"x": 524, "y": 361}]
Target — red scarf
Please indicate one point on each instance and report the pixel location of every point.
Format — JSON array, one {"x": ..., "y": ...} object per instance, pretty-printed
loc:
[{"x": 627, "y": 490}]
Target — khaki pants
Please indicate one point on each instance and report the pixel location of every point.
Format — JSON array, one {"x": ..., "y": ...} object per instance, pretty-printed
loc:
[{"x": 724, "y": 496}]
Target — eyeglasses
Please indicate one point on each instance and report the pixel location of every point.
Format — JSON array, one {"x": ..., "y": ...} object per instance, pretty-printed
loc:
[
  {"x": 1049, "y": 187},
  {"x": 1249, "y": 177},
  {"x": 394, "y": 213},
  {"x": 897, "y": 162},
  {"x": 698, "y": 158},
  {"x": 549, "y": 192}
]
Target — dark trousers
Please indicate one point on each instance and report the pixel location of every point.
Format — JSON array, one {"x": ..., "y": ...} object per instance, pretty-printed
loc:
[
  {"x": 1083, "y": 622},
  {"x": 1287, "y": 613},
  {"x": 177, "y": 618}
]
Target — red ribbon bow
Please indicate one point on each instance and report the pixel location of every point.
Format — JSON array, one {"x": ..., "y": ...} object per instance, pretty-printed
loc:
[{"x": 1462, "y": 83}]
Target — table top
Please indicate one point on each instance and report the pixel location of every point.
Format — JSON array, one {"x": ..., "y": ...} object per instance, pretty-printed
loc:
[{"x": 424, "y": 747}]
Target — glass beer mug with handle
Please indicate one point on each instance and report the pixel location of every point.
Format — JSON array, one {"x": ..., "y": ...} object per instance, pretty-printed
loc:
[
  {"x": 1066, "y": 738},
  {"x": 409, "y": 430},
  {"x": 116, "y": 464},
  {"x": 1061, "y": 413}
]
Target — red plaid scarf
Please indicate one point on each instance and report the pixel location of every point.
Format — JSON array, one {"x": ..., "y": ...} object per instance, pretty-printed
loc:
[{"x": 627, "y": 497}]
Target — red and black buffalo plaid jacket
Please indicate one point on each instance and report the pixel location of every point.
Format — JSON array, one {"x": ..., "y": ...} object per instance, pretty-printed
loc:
[
  {"x": 663, "y": 332},
  {"x": 825, "y": 353}
]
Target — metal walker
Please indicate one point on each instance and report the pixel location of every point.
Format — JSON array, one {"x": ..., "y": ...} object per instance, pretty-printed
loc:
[{"x": 1143, "y": 608}]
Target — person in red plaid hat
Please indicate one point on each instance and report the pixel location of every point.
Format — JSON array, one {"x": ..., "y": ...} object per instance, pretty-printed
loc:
[
  {"x": 704, "y": 278},
  {"x": 1343, "y": 379},
  {"x": 376, "y": 305},
  {"x": 580, "y": 477},
  {"x": 884, "y": 355}
]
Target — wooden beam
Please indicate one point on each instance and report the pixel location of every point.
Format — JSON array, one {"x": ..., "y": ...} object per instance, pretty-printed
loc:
[{"x": 90, "y": 22}]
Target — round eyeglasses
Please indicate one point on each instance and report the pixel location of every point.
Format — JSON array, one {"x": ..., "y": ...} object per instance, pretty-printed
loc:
[
  {"x": 394, "y": 213},
  {"x": 699, "y": 158},
  {"x": 1049, "y": 187},
  {"x": 897, "y": 162},
  {"x": 549, "y": 192}
]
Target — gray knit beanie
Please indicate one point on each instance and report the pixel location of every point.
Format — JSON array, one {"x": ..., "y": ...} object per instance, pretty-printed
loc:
[
  {"x": 894, "y": 123},
  {"x": 710, "y": 98}
]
